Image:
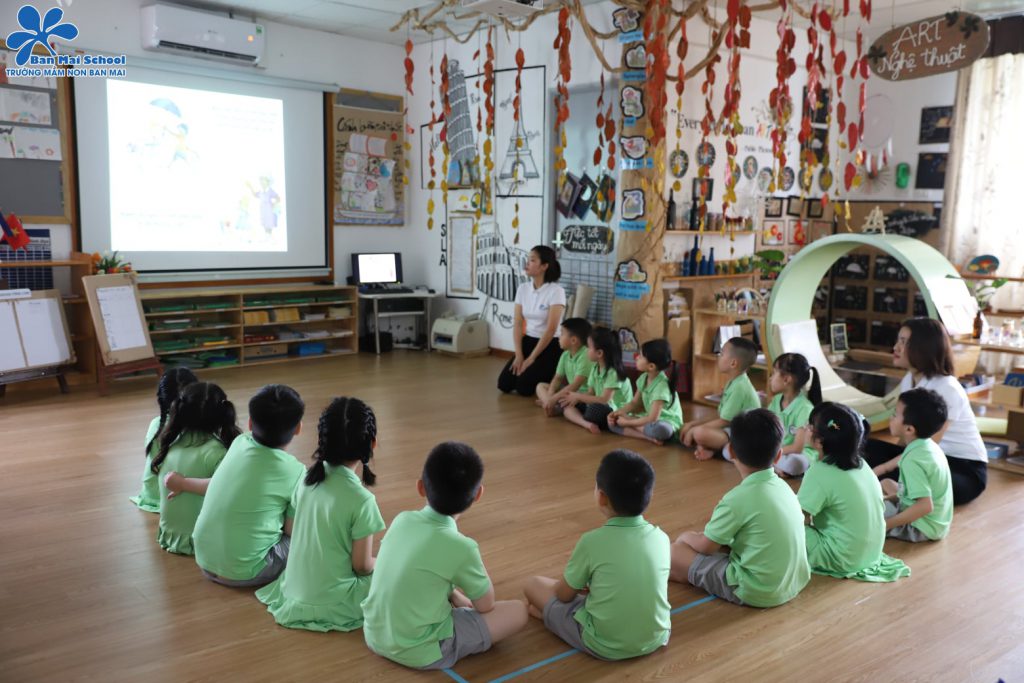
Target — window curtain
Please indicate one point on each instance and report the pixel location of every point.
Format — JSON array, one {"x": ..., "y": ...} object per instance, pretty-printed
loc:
[{"x": 984, "y": 207}]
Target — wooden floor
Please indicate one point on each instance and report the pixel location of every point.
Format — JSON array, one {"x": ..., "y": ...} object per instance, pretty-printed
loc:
[{"x": 86, "y": 593}]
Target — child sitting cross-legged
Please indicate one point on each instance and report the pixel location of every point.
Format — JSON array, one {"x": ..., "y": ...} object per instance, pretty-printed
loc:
[
  {"x": 612, "y": 600},
  {"x": 167, "y": 391},
  {"x": 654, "y": 413},
  {"x": 707, "y": 437},
  {"x": 573, "y": 367},
  {"x": 920, "y": 507},
  {"x": 759, "y": 520},
  {"x": 431, "y": 602},
  {"x": 608, "y": 387},
  {"x": 331, "y": 556},
  {"x": 840, "y": 494}
]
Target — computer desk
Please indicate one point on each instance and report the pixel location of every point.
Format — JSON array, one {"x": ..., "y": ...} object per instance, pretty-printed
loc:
[{"x": 425, "y": 296}]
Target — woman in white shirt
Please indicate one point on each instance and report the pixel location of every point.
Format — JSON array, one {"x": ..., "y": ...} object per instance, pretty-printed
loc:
[
  {"x": 540, "y": 304},
  {"x": 923, "y": 348}
]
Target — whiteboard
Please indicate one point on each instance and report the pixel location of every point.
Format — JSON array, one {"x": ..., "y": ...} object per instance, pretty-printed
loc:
[
  {"x": 43, "y": 336},
  {"x": 123, "y": 325},
  {"x": 11, "y": 355}
]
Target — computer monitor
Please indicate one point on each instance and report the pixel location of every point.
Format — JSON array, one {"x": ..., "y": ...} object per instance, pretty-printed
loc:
[{"x": 376, "y": 269}]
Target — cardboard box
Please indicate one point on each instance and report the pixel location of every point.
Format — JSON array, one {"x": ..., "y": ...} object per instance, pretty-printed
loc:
[
  {"x": 1006, "y": 395},
  {"x": 1015, "y": 425},
  {"x": 266, "y": 351},
  {"x": 680, "y": 338}
]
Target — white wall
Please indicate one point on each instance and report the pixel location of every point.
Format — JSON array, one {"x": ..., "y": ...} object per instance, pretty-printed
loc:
[{"x": 291, "y": 52}]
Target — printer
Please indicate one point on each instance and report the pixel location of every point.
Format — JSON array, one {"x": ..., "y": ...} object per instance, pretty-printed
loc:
[{"x": 461, "y": 335}]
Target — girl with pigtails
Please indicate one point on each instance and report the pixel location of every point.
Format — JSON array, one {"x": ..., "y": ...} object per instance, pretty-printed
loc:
[{"x": 336, "y": 517}]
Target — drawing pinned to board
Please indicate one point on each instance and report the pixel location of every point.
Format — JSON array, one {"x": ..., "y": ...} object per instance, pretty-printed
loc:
[
  {"x": 633, "y": 205},
  {"x": 22, "y": 142},
  {"x": 631, "y": 102},
  {"x": 519, "y": 175},
  {"x": 706, "y": 154},
  {"x": 367, "y": 166},
  {"x": 630, "y": 345},
  {"x": 936, "y": 123},
  {"x": 764, "y": 179},
  {"x": 25, "y": 106},
  {"x": 636, "y": 57},
  {"x": 603, "y": 205},
  {"x": 750, "y": 167},
  {"x": 463, "y": 170},
  {"x": 931, "y": 170},
  {"x": 788, "y": 178},
  {"x": 634, "y": 146},
  {"x": 626, "y": 19}
]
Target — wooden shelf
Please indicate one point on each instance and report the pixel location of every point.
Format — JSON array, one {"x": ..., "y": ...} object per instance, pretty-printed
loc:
[
  {"x": 43, "y": 264},
  {"x": 703, "y": 278},
  {"x": 198, "y": 349},
  {"x": 710, "y": 233},
  {"x": 168, "y": 314},
  {"x": 330, "y": 352},
  {"x": 976, "y": 276},
  {"x": 298, "y": 341},
  {"x": 195, "y": 329},
  {"x": 346, "y": 302},
  {"x": 991, "y": 347},
  {"x": 714, "y": 357},
  {"x": 299, "y": 322},
  {"x": 727, "y": 314}
]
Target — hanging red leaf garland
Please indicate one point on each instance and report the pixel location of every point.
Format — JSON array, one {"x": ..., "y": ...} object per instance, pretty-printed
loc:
[
  {"x": 810, "y": 104},
  {"x": 736, "y": 15},
  {"x": 599, "y": 122},
  {"x": 479, "y": 132},
  {"x": 561, "y": 46},
  {"x": 430, "y": 156},
  {"x": 409, "y": 66},
  {"x": 446, "y": 108},
  {"x": 779, "y": 100},
  {"x": 488, "y": 86},
  {"x": 707, "y": 124},
  {"x": 682, "y": 46},
  {"x": 517, "y": 110},
  {"x": 656, "y": 70}
]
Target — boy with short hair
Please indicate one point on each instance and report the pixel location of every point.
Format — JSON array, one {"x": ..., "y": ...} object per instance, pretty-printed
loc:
[
  {"x": 242, "y": 535},
  {"x": 710, "y": 436},
  {"x": 761, "y": 522},
  {"x": 573, "y": 366},
  {"x": 612, "y": 600},
  {"x": 425, "y": 567},
  {"x": 920, "y": 507}
]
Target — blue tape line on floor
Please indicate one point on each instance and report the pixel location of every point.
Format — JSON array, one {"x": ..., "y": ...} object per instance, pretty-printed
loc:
[
  {"x": 559, "y": 657},
  {"x": 454, "y": 676}
]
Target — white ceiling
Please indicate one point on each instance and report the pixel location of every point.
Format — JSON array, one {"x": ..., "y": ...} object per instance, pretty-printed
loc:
[{"x": 373, "y": 19}]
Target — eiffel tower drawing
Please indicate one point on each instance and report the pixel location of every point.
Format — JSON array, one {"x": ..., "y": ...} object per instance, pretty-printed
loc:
[{"x": 518, "y": 166}]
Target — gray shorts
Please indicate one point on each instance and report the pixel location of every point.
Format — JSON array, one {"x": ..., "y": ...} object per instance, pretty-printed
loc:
[
  {"x": 905, "y": 532},
  {"x": 277, "y": 558},
  {"x": 658, "y": 430},
  {"x": 708, "y": 573},
  {"x": 559, "y": 617},
  {"x": 469, "y": 637}
]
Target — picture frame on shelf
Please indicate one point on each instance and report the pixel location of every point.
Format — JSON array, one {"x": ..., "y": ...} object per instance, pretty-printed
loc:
[
  {"x": 703, "y": 188},
  {"x": 796, "y": 232},
  {"x": 936, "y": 123},
  {"x": 773, "y": 207},
  {"x": 773, "y": 234},
  {"x": 837, "y": 333},
  {"x": 794, "y": 207},
  {"x": 815, "y": 209},
  {"x": 819, "y": 230}
]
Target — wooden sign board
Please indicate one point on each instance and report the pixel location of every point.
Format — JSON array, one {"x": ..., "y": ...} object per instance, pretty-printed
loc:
[
  {"x": 931, "y": 46},
  {"x": 588, "y": 239},
  {"x": 116, "y": 309}
]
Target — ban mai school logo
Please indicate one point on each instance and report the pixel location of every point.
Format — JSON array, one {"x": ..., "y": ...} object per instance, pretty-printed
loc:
[{"x": 38, "y": 31}]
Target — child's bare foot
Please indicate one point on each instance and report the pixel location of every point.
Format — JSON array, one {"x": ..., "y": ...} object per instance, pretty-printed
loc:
[
  {"x": 593, "y": 428},
  {"x": 535, "y": 613},
  {"x": 702, "y": 453},
  {"x": 538, "y": 402},
  {"x": 655, "y": 441}
]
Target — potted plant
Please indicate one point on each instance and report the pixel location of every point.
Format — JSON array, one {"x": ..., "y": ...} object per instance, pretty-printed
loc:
[
  {"x": 110, "y": 263},
  {"x": 769, "y": 263}
]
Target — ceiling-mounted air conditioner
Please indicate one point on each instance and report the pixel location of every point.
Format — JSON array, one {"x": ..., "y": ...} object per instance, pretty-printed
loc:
[{"x": 168, "y": 28}]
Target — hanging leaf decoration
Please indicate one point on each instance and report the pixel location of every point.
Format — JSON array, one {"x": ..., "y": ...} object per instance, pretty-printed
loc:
[
  {"x": 409, "y": 67},
  {"x": 561, "y": 46},
  {"x": 779, "y": 100}
]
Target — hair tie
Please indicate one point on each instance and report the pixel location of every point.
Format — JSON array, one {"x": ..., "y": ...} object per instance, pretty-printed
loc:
[{"x": 833, "y": 425}]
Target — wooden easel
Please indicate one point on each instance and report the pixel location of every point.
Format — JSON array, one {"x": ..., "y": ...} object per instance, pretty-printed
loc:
[
  {"x": 27, "y": 375},
  {"x": 120, "y": 361},
  {"x": 22, "y": 369}
]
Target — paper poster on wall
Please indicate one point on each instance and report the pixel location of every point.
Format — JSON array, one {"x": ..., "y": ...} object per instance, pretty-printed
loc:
[
  {"x": 42, "y": 331},
  {"x": 32, "y": 143},
  {"x": 11, "y": 355},
  {"x": 368, "y": 167},
  {"x": 461, "y": 249},
  {"x": 7, "y": 60},
  {"x": 25, "y": 106}
]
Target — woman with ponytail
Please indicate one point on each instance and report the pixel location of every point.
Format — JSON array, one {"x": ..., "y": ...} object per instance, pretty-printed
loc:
[
  {"x": 171, "y": 384},
  {"x": 336, "y": 517},
  {"x": 791, "y": 373},
  {"x": 200, "y": 427}
]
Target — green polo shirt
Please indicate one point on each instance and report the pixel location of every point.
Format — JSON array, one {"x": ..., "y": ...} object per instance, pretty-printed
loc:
[
  {"x": 924, "y": 473},
  {"x": 848, "y": 513},
  {"x": 149, "y": 497},
  {"x": 600, "y": 381},
  {"x": 422, "y": 558},
  {"x": 571, "y": 366},
  {"x": 319, "y": 590},
  {"x": 739, "y": 396},
  {"x": 794, "y": 418},
  {"x": 625, "y": 564},
  {"x": 195, "y": 456},
  {"x": 248, "y": 499},
  {"x": 659, "y": 390},
  {"x": 761, "y": 522}
]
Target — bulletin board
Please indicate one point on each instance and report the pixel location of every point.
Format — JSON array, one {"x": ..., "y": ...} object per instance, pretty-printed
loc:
[
  {"x": 898, "y": 216},
  {"x": 369, "y": 155},
  {"x": 116, "y": 309},
  {"x": 36, "y": 150},
  {"x": 34, "y": 331}
]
